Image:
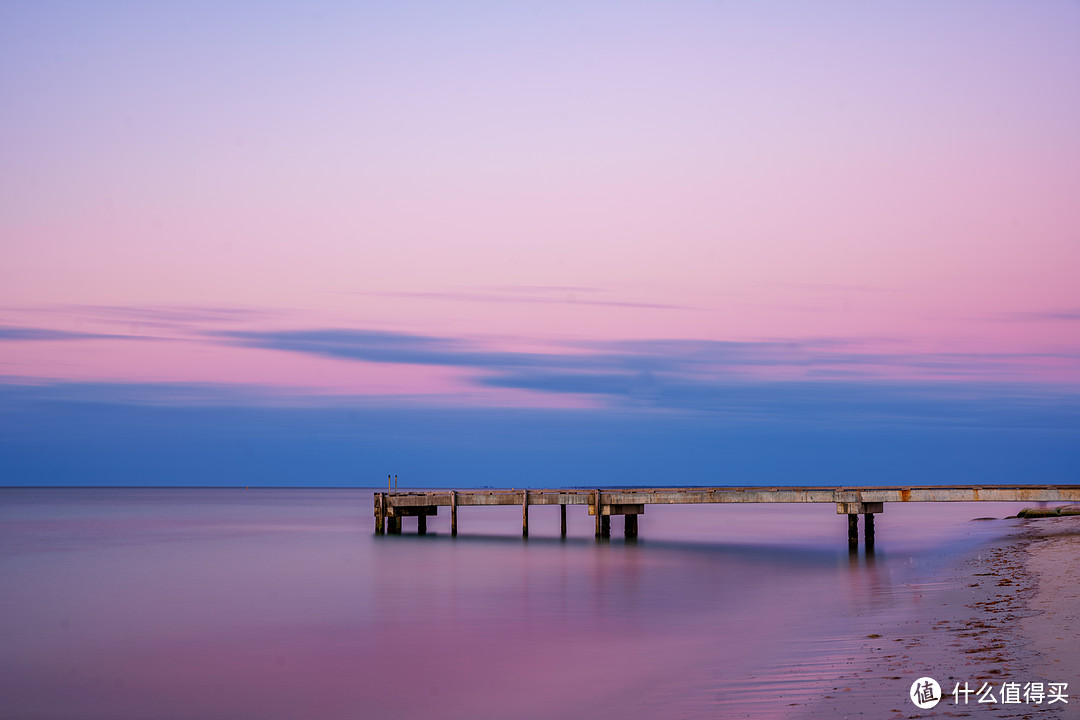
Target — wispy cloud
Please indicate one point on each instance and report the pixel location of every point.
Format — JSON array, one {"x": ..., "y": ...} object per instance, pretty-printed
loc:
[
  {"x": 9, "y": 333},
  {"x": 548, "y": 295},
  {"x": 669, "y": 356},
  {"x": 825, "y": 378},
  {"x": 828, "y": 287},
  {"x": 820, "y": 400},
  {"x": 173, "y": 315},
  {"x": 400, "y": 348},
  {"x": 164, "y": 317},
  {"x": 1044, "y": 316},
  {"x": 170, "y": 316}
]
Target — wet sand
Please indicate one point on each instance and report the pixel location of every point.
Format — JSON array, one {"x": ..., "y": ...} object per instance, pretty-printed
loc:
[
  {"x": 1053, "y": 557},
  {"x": 1008, "y": 613}
]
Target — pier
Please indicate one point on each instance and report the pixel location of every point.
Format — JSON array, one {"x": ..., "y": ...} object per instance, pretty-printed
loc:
[{"x": 391, "y": 507}]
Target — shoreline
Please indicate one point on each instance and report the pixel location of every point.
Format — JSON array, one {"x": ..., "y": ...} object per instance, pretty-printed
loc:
[
  {"x": 1007, "y": 612},
  {"x": 1053, "y": 627}
]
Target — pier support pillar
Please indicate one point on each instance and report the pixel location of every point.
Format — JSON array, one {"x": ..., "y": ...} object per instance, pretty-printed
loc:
[
  {"x": 380, "y": 514},
  {"x": 596, "y": 511},
  {"x": 603, "y": 514},
  {"x": 562, "y": 521},
  {"x": 853, "y": 508},
  {"x": 453, "y": 514},
  {"x": 394, "y": 513},
  {"x": 524, "y": 513}
]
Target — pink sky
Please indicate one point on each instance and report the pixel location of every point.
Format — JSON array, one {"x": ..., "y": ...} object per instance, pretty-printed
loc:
[{"x": 899, "y": 178}]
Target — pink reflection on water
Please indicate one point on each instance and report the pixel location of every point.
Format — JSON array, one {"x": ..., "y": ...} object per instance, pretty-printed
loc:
[{"x": 282, "y": 604}]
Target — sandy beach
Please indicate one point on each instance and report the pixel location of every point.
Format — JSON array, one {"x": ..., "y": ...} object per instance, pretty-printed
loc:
[
  {"x": 1053, "y": 621},
  {"x": 1006, "y": 614}
]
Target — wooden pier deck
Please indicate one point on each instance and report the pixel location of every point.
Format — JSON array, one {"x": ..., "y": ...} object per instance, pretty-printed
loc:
[{"x": 391, "y": 507}]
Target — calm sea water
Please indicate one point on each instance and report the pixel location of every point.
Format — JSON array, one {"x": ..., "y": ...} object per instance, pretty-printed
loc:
[{"x": 184, "y": 603}]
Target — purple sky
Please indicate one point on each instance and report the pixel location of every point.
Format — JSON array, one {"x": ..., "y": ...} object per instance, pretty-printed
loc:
[{"x": 469, "y": 230}]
